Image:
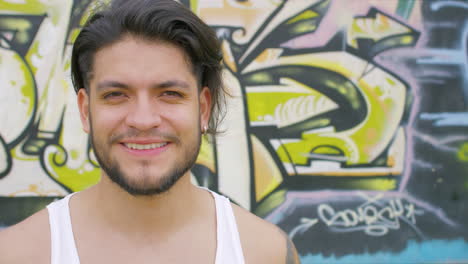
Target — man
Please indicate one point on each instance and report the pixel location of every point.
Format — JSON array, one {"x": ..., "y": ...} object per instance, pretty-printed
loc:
[{"x": 148, "y": 79}]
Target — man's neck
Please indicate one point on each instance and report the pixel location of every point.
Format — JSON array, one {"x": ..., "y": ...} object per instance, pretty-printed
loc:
[
  {"x": 135, "y": 229},
  {"x": 117, "y": 209}
]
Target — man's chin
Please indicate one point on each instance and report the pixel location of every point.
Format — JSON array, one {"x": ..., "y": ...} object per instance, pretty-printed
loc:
[
  {"x": 139, "y": 189},
  {"x": 145, "y": 192}
]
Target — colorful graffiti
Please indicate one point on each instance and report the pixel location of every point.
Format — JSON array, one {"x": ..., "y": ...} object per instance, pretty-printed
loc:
[{"x": 347, "y": 122}]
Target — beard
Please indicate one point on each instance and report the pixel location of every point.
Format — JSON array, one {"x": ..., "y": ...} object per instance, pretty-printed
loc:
[{"x": 145, "y": 186}]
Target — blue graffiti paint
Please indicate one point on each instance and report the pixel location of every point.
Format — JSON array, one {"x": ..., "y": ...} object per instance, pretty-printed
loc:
[
  {"x": 441, "y": 4},
  {"x": 446, "y": 119},
  {"x": 404, "y": 8},
  {"x": 443, "y": 57},
  {"x": 447, "y": 251}
]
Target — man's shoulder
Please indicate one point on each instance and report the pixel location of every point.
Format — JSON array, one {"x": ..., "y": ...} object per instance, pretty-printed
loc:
[
  {"x": 27, "y": 241},
  {"x": 262, "y": 241}
]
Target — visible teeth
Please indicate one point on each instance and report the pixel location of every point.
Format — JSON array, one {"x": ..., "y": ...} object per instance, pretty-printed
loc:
[{"x": 145, "y": 146}]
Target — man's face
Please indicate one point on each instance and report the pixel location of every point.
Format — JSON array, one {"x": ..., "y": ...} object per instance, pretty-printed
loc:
[{"x": 144, "y": 113}]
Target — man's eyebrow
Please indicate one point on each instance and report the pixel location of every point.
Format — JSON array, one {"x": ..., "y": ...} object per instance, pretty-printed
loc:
[
  {"x": 173, "y": 83},
  {"x": 163, "y": 85},
  {"x": 107, "y": 84}
]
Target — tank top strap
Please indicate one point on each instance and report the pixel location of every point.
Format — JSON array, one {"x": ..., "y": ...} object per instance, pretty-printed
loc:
[
  {"x": 63, "y": 248},
  {"x": 229, "y": 248}
]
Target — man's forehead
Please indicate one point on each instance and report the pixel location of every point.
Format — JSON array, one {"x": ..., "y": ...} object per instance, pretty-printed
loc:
[{"x": 143, "y": 58}]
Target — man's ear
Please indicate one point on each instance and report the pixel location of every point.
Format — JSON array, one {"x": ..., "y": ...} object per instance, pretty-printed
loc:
[
  {"x": 205, "y": 106},
  {"x": 83, "y": 106}
]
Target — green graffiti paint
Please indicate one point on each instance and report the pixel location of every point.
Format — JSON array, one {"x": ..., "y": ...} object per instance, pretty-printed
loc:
[
  {"x": 298, "y": 152},
  {"x": 304, "y": 27},
  {"x": 17, "y": 154},
  {"x": 33, "y": 51},
  {"x": 270, "y": 203},
  {"x": 264, "y": 105},
  {"x": 462, "y": 153},
  {"x": 378, "y": 184},
  {"x": 26, "y": 7},
  {"x": 74, "y": 154},
  {"x": 261, "y": 78},
  {"x": 194, "y": 5},
  {"x": 308, "y": 14},
  {"x": 73, "y": 178},
  {"x": 328, "y": 150},
  {"x": 74, "y": 34},
  {"x": 22, "y": 27}
]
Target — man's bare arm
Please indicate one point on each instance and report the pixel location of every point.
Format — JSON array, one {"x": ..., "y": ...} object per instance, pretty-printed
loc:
[
  {"x": 268, "y": 244},
  {"x": 291, "y": 253},
  {"x": 27, "y": 241}
]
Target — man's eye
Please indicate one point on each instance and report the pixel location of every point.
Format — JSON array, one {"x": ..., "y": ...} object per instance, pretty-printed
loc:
[
  {"x": 113, "y": 95},
  {"x": 172, "y": 94}
]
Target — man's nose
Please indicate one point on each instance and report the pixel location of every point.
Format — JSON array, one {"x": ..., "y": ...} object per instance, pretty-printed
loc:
[{"x": 144, "y": 114}]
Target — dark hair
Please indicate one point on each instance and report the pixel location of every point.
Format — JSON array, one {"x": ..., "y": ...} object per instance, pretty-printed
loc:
[{"x": 158, "y": 20}]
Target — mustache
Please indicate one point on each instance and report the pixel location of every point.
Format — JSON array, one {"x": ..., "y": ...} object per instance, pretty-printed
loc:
[{"x": 133, "y": 133}]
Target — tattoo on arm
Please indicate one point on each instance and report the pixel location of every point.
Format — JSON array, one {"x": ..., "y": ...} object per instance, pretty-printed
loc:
[{"x": 291, "y": 253}]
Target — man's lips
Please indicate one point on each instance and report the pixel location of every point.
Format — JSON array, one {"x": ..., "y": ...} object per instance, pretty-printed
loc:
[
  {"x": 145, "y": 149},
  {"x": 144, "y": 146}
]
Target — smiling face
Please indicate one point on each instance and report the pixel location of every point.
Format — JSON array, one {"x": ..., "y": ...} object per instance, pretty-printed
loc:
[{"x": 144, "y": 112}]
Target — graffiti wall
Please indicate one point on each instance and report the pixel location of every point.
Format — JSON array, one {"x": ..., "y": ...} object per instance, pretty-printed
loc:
[{"x": 347, "y": 126}]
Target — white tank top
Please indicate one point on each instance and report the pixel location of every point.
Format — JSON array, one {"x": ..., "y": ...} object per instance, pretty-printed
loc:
[{"x": 63, "y": 248}]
